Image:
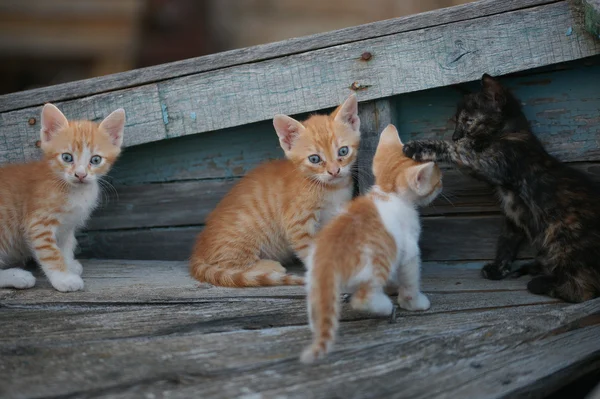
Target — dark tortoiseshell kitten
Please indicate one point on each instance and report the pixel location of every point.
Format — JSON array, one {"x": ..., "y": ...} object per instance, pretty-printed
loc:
[{"x": 557, "y": 208}]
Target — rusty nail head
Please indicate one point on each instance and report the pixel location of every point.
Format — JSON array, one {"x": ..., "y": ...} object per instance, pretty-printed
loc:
[
  {"x": 31, "y": 121},
  {"x": 38, "y": 144},
  {"x": 366, "y": 56}
]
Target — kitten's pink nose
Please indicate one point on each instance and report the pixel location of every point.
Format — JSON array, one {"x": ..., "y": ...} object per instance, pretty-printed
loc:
[
  {"x": 335, "y": 172},
  {"x": 80, "y": 175}
]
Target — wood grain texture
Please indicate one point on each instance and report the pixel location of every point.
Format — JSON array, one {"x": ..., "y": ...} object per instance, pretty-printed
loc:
[
  {"x": 227, "y": 59},
  {"x": 159, "y": 205},
  {"x": 187, "y": 203},
  {"x": 562, "y": 105},
  {"x": 305, "y": 82},
  {"x": 168, "y": 282},
  {"x": 443, "y": 238},
  {"x": 136, "y": 333},
  {"x": 374, "y": 117}
]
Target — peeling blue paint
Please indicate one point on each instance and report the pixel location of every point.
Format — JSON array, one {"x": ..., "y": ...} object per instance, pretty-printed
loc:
[
  {"x": 570, "y": 31},
  {"x": 193, "y": 116},
  {"x": 165, "y": 114}
]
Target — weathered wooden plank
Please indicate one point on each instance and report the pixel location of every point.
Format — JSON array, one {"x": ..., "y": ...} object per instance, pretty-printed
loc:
[
  {"x": 160, "y": 282},
  {"x": 374, "y": 117},
  {"x": 259, "y": 53},
  {"x": 144, "y": 244},
  {"x": 189, "y": 202},
  {"x": 444, "y": 238},
  {"x": 562, "y": 106},
  {"x": 592, "y": 16},
  {"x": 54, "y": 324},
  {"x": 159, "y": 205},
  {"x": 400, "y": 63},
  {"x": 222, "y": 154},
  {"x": 454, "y": 349}
]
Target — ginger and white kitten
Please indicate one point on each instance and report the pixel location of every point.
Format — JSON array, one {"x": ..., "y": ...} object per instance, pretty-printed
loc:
[
  {"x": 277, "y": 208},
  {"x": 43, "y": 203},
  {"x": 372, "y": 244}
]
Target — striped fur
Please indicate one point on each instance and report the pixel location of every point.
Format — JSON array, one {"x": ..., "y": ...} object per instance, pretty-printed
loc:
[
  {"x": 43, "y": 203},
  {"x": 373, "y": 243},
  {"x": 274, "y": 212}
]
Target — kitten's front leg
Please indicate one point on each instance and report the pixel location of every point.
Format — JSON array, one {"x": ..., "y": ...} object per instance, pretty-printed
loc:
[
  {"x": 428, "y": 150},
  {"x": 408, "y": 279},
  {"x": 42, "y": 237},
  {"x": 302, "y": 232},
  {"x": 68, "y": 250},
  {"x": 507, "y": 248}
]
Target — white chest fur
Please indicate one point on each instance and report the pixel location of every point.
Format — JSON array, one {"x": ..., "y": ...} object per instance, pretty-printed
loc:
[
  {"x": 80, "y": 204},
  {"x": 333, "y": 203},
  {"x": 401, "y": 220}
]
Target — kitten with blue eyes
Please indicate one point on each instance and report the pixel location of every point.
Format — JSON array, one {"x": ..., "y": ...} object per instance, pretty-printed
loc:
[
  {"x": 43, "y": 203},
  {"x": 275, "y": 211}
]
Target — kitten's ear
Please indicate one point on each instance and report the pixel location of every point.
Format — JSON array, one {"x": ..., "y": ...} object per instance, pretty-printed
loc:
[
  {"x": 347, "y": 113},
  {"x": 419, "y": 178},
  {"x": 53, "y": 121},
  {"x": 114, "y": 125},
  {"x": 288, "y": 129},
  {"x": 389, "y": 136},
  {"x": 493, "y": 90}
]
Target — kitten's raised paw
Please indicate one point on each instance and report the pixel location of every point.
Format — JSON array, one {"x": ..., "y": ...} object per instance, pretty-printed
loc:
[
  {"x": 75, "y": 267},
  {"x": 411, "y": 150},
  {"x": 493, "y": 271},
  {"x": 419, "y": 302},
  {"x": 16, "y": 278},
  {"x": 66, "y": 281}
]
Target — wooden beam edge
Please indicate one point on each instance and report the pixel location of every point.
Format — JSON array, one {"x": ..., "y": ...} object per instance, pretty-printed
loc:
[{"x": 158, "y": 73}]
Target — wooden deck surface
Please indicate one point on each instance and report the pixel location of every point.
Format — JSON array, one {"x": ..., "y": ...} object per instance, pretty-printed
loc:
[{"x": 146, "y": 330}]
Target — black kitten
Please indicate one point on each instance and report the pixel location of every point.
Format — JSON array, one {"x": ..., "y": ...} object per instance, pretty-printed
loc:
[{"x": 557, "y": 208}]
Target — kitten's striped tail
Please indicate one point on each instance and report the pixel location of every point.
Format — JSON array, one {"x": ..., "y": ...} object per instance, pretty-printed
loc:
[
  {"x": 323, "y": 312},
  {"x": 255, "y": 276}
]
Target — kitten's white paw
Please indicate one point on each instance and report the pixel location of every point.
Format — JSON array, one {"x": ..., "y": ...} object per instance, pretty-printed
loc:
[
  {"x": 16, "y": 278},
  {"x": 420, "y": 302},
  {"x": 66, "y": 281},
  {"x": 75, "y": 267}
]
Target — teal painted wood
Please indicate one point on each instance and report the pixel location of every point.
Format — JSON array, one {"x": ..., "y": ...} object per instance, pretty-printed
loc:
[
  {"x": 563, "y": 106},
  {"x": 221, "y": 154}
]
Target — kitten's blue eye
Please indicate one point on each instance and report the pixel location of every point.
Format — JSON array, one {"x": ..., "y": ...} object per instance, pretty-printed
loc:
[
  {"x": 68, "y": 158},
  {"x": 96, "y": 159},
  {"x": 342, "y": 152},
  {"x": 314, "y": 158},
  {"x": 469, "y": 122}
]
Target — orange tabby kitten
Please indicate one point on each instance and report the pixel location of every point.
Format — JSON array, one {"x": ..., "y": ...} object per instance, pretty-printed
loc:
[
  {"x": 43, "y": 203},
  {"x": 277, "y": 208},
  {"x": 373, "y": 243}
]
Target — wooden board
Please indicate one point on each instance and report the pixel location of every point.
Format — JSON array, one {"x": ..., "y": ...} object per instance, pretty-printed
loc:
[
  {"x": 186, "y": 203},
  {"x": 164, "y": 282},
  {"x": 443, "y": 238},
  {"x": 322, "y": 78},
  {"x": 145, "y": 330},
  {"x": 562, "y": 105},
  {"x": 156, "y": 73}
]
